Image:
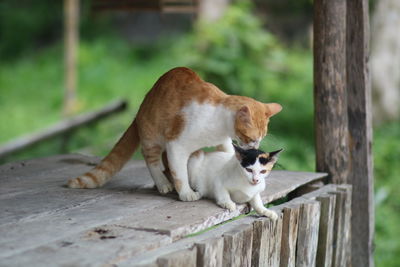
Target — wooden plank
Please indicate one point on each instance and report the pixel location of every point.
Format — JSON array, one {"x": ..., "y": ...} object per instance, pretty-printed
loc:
[
  {"x": 307, "y": 236},
  {"x": 339, "y": 252},
  {"x": 210, "y": 252},
  {"x": 346, "y": 220},
  {"x": 325, "y": 234},
  {"x": 289, "y": 235},
  {"x": 104, "y": 245},
  {"x": 32, "y": 193},
  {"x": 281, "y": 183},
  {"x": 330, "y": 99},
  {"x": 238, "y": 246},
  {"x": 182, "y": 258},
  {"x": 360, "y": 132},
  {"x": 266, "y": 242}
]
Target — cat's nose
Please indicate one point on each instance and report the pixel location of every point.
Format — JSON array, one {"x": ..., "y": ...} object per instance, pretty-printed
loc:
[{"x": 255, "y": 181}]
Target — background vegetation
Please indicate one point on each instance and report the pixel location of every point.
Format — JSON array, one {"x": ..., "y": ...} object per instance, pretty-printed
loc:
[{"x": 236, "y": 53}]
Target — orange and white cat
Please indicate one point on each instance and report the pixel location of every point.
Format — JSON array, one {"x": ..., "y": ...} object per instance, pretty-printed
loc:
[{"x": 180, "y": 115}]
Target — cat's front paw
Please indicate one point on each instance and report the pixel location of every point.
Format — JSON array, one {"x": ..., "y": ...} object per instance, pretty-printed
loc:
[
  {"x": 231, "y": 206},
  {"x": 165, "y": 188},
  {"x": 189, "y": 196},
  {"x": 269, "y": 213}
]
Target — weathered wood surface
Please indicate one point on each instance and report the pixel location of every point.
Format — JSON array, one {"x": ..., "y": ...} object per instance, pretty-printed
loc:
[
  {"x": 265, "y": 233},
  {"x": 43, "y": 222},
  {"x": 238, "y": 247},
  {"x": 210, "y": 252},
  {"x": 341, "y": 238},
  {"x": 307, "y": 236},
  {"x": 360, "y": 132},
  {"x": 289, "y": 235},
  {"x": 330, "y": 98},
  {"x": 182, "y": 258},
  {"x": 325, "y": 234}
]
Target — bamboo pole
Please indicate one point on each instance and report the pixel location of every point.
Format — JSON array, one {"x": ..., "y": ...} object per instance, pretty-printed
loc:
[{"x": 71, "y": 39}]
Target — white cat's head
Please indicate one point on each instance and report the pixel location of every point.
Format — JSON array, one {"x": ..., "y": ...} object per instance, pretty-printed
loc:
[{"x": 256, "y": 164}]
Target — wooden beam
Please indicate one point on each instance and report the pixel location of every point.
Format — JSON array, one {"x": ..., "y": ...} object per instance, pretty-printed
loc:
[
  {"x": 330, "y": 99},
  {"x": 62, "y": 127},
  {"x": 360, "y": 132}
]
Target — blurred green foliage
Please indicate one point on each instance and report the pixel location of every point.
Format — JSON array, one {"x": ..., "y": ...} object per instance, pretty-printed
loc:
[
  {"x": 235, "y": 53},
  {"x": 28, "y": 25},
  {"x": 387, "y": 199}
]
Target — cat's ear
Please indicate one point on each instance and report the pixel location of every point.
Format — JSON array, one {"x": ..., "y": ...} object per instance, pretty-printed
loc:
[
  {"x": 238, "y": 151},
  {"x": 274, "y": 155},
  {"x": 243, "y": 115},
  {"x": 272, "y": 109}
]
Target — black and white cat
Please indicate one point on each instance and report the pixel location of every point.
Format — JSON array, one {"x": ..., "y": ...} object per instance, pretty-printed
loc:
[{"x": 234, "y": 176}]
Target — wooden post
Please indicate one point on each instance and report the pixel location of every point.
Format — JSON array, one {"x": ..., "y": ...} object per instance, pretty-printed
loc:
[
  {"x": 182, "y": 258},
  {"x": 71, "y": 36},
  {"x": 210, "y": 252},
  {"x": 266, "y": 248},
  {"x": 238, "y": 247},
  {"x": 307, "y": 235},
  {"x": 343, "y": 111},
  {"x": 330, "y": 97},
  {"x": 325, "y": 233},
  {"x": 289, "y": 236},
  {"x": 360, "y": 132}
]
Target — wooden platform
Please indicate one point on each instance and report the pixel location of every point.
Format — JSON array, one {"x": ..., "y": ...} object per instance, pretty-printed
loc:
[{"x": 44, "y": 223}]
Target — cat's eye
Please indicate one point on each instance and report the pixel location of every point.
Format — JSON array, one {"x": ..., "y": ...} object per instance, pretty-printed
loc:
[
  {"x": 263, "y": 171},
  {"x": 249, "y": 170}
]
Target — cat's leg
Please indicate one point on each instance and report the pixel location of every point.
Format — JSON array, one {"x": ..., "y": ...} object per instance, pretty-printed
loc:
[
  {"x": 178, "y": 158},
  {"x": 223, "y": 198},
  {"x": 226, "y": 146},
  {"x": 152, "y": 156},
  {"x": 257, "y": 205}
]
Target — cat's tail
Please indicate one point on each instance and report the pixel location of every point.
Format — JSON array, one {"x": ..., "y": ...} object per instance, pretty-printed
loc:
[{"x": 112, "y": 163}]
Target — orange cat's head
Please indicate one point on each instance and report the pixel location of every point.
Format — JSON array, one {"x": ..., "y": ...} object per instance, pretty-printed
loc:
[{"x": 251, "y": 122}]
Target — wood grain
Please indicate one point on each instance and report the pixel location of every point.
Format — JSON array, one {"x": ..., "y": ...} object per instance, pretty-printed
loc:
[
  {"x": 289, "y": 235},
  {"x": 325, "y": 234},
  {"x": 330, "y": 97},
  {"x": 307, "y": 236},
  {"x": 182, "y": 258},
  {"x": 238, "y": 247},
  {"x": 360, "y": 132},
  {"x": 266, "y": 242},
  {"x": 210, "y": 252}
]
